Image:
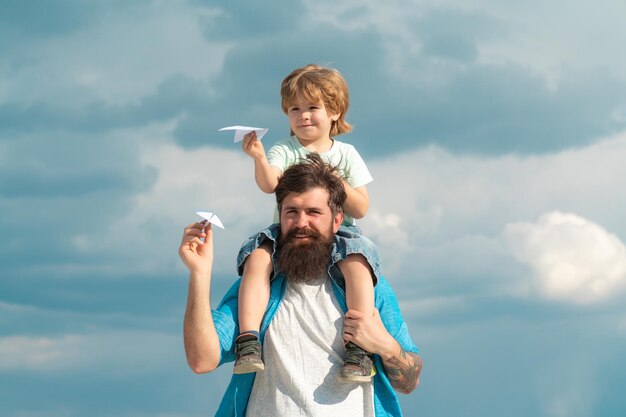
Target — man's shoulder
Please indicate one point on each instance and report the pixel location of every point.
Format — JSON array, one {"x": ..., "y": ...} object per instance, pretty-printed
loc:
[
  {"x": 385, "y": 296},
  {"x": 383, "y": 285}
]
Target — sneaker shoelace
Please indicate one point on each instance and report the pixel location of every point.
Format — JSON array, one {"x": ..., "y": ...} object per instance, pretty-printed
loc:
[
  {"x": 355, "y": 356},
  {"x": 249, "y": 347}
]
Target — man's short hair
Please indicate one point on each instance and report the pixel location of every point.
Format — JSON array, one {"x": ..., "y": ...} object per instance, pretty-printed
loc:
[{"x": 308, "y": 174}]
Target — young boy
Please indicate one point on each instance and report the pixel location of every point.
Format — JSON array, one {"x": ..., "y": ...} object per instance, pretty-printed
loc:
[{"x": 315, "y": 100}]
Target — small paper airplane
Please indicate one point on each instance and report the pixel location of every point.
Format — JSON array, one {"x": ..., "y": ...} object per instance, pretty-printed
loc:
[
  {"x": 241, "y": 131},
  {"x": 211, "y": 218}
]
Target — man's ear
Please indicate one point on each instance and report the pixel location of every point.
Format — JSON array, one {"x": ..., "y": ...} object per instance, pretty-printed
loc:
[{"x": 337, "y": 221}]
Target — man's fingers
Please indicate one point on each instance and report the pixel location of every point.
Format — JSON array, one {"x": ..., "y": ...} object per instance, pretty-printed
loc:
[
  {"x": 193, "y": 233},
  {"x": 194, "y": 230},
  {"x": 191, "y": 245},
  {"x": 198, "y": 225},
  {"x": 195, "y": 241},
  {"x": 353, "y": 314}
]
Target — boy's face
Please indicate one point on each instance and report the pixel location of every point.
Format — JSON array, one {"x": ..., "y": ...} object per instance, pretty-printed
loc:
[{"x": 309, "y": 120}]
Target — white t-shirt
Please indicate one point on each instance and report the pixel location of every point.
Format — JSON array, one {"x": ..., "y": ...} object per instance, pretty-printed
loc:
[
  {"x": 303, "y": 353},
  {"x": 344, "y": 156}
]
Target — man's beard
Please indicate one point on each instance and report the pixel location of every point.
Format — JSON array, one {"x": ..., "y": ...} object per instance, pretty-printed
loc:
[{"x": 304, "y": 262}]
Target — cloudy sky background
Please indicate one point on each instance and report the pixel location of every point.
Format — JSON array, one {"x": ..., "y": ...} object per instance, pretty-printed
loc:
[{"x": 495, "y": 131}]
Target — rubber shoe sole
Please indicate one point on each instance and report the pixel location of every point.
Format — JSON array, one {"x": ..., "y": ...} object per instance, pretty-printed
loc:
[
  {"x": 346, "y": 375},
  {"x": 247, "y": 367}
]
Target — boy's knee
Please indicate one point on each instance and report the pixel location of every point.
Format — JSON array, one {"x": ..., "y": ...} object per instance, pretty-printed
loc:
[
  {"x": 353, "y": 263},
  {"x": 264, "y": 251},
  {"x": 259, "y": 260},
  {"x": 357, "y": 264},
  {"x": 355, "y": 257}
]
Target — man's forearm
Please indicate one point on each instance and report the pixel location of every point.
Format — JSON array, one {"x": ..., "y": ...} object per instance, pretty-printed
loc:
[
  {"x": 200, "y": 338},
  {"x": 368, "y": 331},
  {"x": 403, "y": 370}
]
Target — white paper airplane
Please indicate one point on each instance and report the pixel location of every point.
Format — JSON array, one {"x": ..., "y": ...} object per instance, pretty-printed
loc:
[
  {"x": 211, "y": 218},
  {"x": 241, "y": 131}
]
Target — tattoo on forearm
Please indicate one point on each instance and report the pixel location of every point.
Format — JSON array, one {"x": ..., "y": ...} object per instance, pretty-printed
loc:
[{"x": 404, "y": 372}]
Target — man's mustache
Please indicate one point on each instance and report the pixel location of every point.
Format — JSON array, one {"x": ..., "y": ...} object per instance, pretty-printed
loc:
[{"x": 302, "y": 232}]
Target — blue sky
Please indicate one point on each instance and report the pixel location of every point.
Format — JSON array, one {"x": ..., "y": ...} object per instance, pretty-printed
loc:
[{"x": 495, "y": 131}]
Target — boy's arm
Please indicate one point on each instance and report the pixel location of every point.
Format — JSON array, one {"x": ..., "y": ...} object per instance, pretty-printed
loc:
[
  {"x": 266, "y": 175},
  {"x": 357, "y": 200}
]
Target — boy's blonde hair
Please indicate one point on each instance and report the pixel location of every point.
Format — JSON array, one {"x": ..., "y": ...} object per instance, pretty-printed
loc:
[{"x": 320, "y": 85}]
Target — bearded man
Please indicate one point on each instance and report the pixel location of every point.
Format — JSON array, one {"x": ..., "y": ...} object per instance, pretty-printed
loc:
[{"x": 307, "y": 324}]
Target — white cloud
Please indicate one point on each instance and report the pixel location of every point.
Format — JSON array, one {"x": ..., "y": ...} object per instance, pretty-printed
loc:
[
  {"x": 573, "y": 258},
  {"x": 525, "y": 34},
  {"x": 429, "y": 306},
  {"x": 586, "y": 37},
  {"x": 32, "y": 353},
  {"x": 123, "y": 56},
  {"x": 70, "y": 412},
  {"x": 438, "y": 217},
  {"x": 111, "y": 352},
  {"x": 567, "y": 385},
  {"x": 212, "y": 179}
]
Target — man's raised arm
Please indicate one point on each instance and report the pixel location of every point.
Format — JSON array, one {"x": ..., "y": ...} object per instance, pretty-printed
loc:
[{"x": 202, "y": 345}]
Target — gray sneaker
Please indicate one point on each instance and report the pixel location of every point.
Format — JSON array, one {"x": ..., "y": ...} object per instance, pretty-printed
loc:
[
  {"x": 358, "y": 365},
  {"x": 248, "y": 350}
]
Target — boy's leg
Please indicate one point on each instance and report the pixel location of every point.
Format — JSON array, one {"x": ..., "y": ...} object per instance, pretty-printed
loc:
[
  {"x": 358, "y": 365},
  {"x": 254, "y": 293}
]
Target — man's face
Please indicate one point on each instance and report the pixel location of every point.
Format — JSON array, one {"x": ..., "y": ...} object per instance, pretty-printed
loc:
[
  {"x": 308, "y": 215},
  {"x": 306, "y": 238}
]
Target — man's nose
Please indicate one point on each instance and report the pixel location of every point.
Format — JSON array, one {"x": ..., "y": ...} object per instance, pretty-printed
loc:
[{"x": 302, "y": 220}]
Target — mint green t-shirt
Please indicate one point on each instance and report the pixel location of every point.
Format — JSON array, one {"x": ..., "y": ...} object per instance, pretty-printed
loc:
[{"x": 345, "y": 157}]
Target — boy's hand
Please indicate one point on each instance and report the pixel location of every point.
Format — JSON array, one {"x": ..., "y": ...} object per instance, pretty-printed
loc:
[{"x": 252, "y": 146}]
